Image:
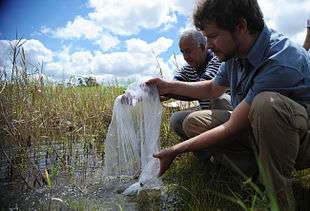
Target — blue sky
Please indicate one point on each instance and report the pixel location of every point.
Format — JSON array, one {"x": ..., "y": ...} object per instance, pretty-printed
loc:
[{"x": 121, "y": 39}]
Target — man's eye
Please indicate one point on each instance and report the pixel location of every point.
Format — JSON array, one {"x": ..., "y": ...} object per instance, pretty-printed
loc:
[
  {"x": 212, "y": 36},
  {"x": 186, "y": 52}
]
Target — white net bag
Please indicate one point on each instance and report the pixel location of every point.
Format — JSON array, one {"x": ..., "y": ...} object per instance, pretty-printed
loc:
[{"x": 133, "y": 136}]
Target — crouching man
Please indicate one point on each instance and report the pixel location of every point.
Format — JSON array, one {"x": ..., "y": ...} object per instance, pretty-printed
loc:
[{"x": 269, "y": 79}]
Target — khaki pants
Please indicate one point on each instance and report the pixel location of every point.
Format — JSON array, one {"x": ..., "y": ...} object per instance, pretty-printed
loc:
[
  {"x": 176, "y": 120},
  {"x": 278, "y": 137}
]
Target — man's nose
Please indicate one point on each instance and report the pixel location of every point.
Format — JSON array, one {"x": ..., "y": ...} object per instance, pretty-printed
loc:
[{"x": 186, "y": 56}]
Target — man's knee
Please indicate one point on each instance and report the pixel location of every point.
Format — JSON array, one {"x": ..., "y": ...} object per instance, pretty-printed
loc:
[
  {"x": 175, "y": 122},
  {"x": 194, "y": 124},
  {"x": 201, "y": 121},
  {"x": 223, "y": 102},
  {"x": 273, "y": 108},
  {"x": 263, "y": 105},
  {"x": 189, "y": 123}
]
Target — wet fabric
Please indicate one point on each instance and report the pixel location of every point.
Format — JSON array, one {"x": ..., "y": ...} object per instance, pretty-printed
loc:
[{"x": 133, "y": 136}]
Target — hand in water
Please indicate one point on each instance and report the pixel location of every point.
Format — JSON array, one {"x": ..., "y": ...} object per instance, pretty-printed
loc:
[{"x": 165, "y": 156}]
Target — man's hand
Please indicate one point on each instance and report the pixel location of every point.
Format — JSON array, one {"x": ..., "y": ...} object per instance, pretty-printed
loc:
[
  {"x": 165, "y": 156},
  {"x": 162, "y": 85},
  {"x": 128, "y": 99}
]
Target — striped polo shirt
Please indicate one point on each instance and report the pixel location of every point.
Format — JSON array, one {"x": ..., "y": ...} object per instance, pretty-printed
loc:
[{"x": 190, "y": 74}]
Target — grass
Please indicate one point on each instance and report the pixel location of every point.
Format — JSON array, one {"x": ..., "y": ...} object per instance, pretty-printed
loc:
[{"x": 34, "y": 113}]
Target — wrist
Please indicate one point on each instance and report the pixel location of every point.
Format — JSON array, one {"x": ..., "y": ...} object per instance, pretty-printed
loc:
[
  {"x": 181, "y": 148},
  {"x": 175, "y": 150},
  {"x": 171, "y": 87}
]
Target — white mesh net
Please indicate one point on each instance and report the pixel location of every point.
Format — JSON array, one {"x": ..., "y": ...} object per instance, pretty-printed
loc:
[{"x": 133, "y": 137}]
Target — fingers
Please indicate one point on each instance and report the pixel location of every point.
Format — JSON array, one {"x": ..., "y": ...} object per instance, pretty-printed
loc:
[
  {"x": 156, "y": 155},
  {"x": 126, "y": 99},
  {"x": 153, "y": 81},
  {"x": 161, "y": 171},
  {"x": 166, "y": 157}
]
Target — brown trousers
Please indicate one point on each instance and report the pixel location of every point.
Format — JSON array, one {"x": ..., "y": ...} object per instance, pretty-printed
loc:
[{"x": 278, "y": 139}]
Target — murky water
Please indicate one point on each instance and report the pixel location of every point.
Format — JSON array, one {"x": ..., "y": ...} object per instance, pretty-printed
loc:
[
  {"x": 76, "y": 182},
  {"x": 64, "y": 177}
]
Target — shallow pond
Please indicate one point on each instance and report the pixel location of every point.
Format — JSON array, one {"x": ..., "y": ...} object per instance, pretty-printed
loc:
[{"x": 67, "y": 176}]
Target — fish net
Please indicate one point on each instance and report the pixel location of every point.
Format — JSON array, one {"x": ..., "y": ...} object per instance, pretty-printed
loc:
[{"x": 133, "y": 137}]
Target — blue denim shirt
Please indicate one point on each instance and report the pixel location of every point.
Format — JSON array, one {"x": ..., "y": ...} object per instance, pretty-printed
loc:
[{"x": 274, "y": 63}]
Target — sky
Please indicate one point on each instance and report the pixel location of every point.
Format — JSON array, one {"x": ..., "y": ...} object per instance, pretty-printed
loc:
[{"x": 120, "y": 40}]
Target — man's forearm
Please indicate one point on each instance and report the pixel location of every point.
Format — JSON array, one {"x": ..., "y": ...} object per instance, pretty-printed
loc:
[
  {"x": 179, "y": 97},
  {"x": 196, "y": 90},
  {"x": 203, "y": 140}
]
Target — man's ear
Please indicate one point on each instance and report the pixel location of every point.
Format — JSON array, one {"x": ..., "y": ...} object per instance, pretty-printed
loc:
[
  {"x": 203, "y": 47},
  {"x": 242, "y": 26}
]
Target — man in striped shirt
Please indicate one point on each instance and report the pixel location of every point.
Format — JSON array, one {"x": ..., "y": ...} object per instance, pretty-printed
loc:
[{"x": 202, "y": 65}]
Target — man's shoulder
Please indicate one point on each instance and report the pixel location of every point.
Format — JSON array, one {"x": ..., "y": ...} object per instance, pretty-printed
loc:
[
  {"x": 285, "y": 52},
  {"x": 214, "y": 63},
  {"x": 185, "y": 73},
  {"x": 215, "y": 60},
  {"x": 186, "y": 67}
]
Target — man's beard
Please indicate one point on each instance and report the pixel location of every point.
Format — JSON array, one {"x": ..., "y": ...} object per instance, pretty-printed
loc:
[
  {"x": 226, "y": 58},
  {"x": 234, "y": 52}
]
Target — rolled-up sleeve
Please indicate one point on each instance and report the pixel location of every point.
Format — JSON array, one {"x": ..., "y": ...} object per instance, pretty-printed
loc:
[{"x": 222, "y": 77}]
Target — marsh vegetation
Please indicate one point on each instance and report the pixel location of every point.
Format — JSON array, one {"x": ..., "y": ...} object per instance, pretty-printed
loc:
[{"x": 52, "y": 150}]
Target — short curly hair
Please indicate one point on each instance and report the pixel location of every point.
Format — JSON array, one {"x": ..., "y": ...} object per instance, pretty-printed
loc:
[{"x": 228, "y": 13}]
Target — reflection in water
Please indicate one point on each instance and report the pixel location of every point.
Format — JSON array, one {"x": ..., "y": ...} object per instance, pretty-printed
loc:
[{"x": 74, "y": 172}]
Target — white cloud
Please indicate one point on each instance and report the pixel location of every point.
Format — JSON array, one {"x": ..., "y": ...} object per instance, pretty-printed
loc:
[
  {"x": 153, "y": 49},
  {"x": 188, "y": 25},
  {"x": 161, "y": 45},
  {"x": 184, "y": 7},
  {"x": 286, "y": 16},
  {"x": 123, "y": 63},
  {"x": 107, "y": 41},
  {"x": 136, "y": 62},
  {"x": 4, "y": 54},
  {"x": 45, "y": 30},
  {"x": 67, "y": 64},
  {"x": 79, "y": 28},
  {"x": 111, "y": 19},
  {"x": 300, "y": 37},
  {"x": 127, "y": 17},
  {"x": 175, "y": 62},
  {"x": 37, "y": 52}
]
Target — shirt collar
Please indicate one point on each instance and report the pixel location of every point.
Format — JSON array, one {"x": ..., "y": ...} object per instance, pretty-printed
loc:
[{"x": 258, "y": 50}]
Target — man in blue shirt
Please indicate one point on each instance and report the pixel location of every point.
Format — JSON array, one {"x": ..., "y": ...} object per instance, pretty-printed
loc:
[{"x": 269, "y": 80}]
